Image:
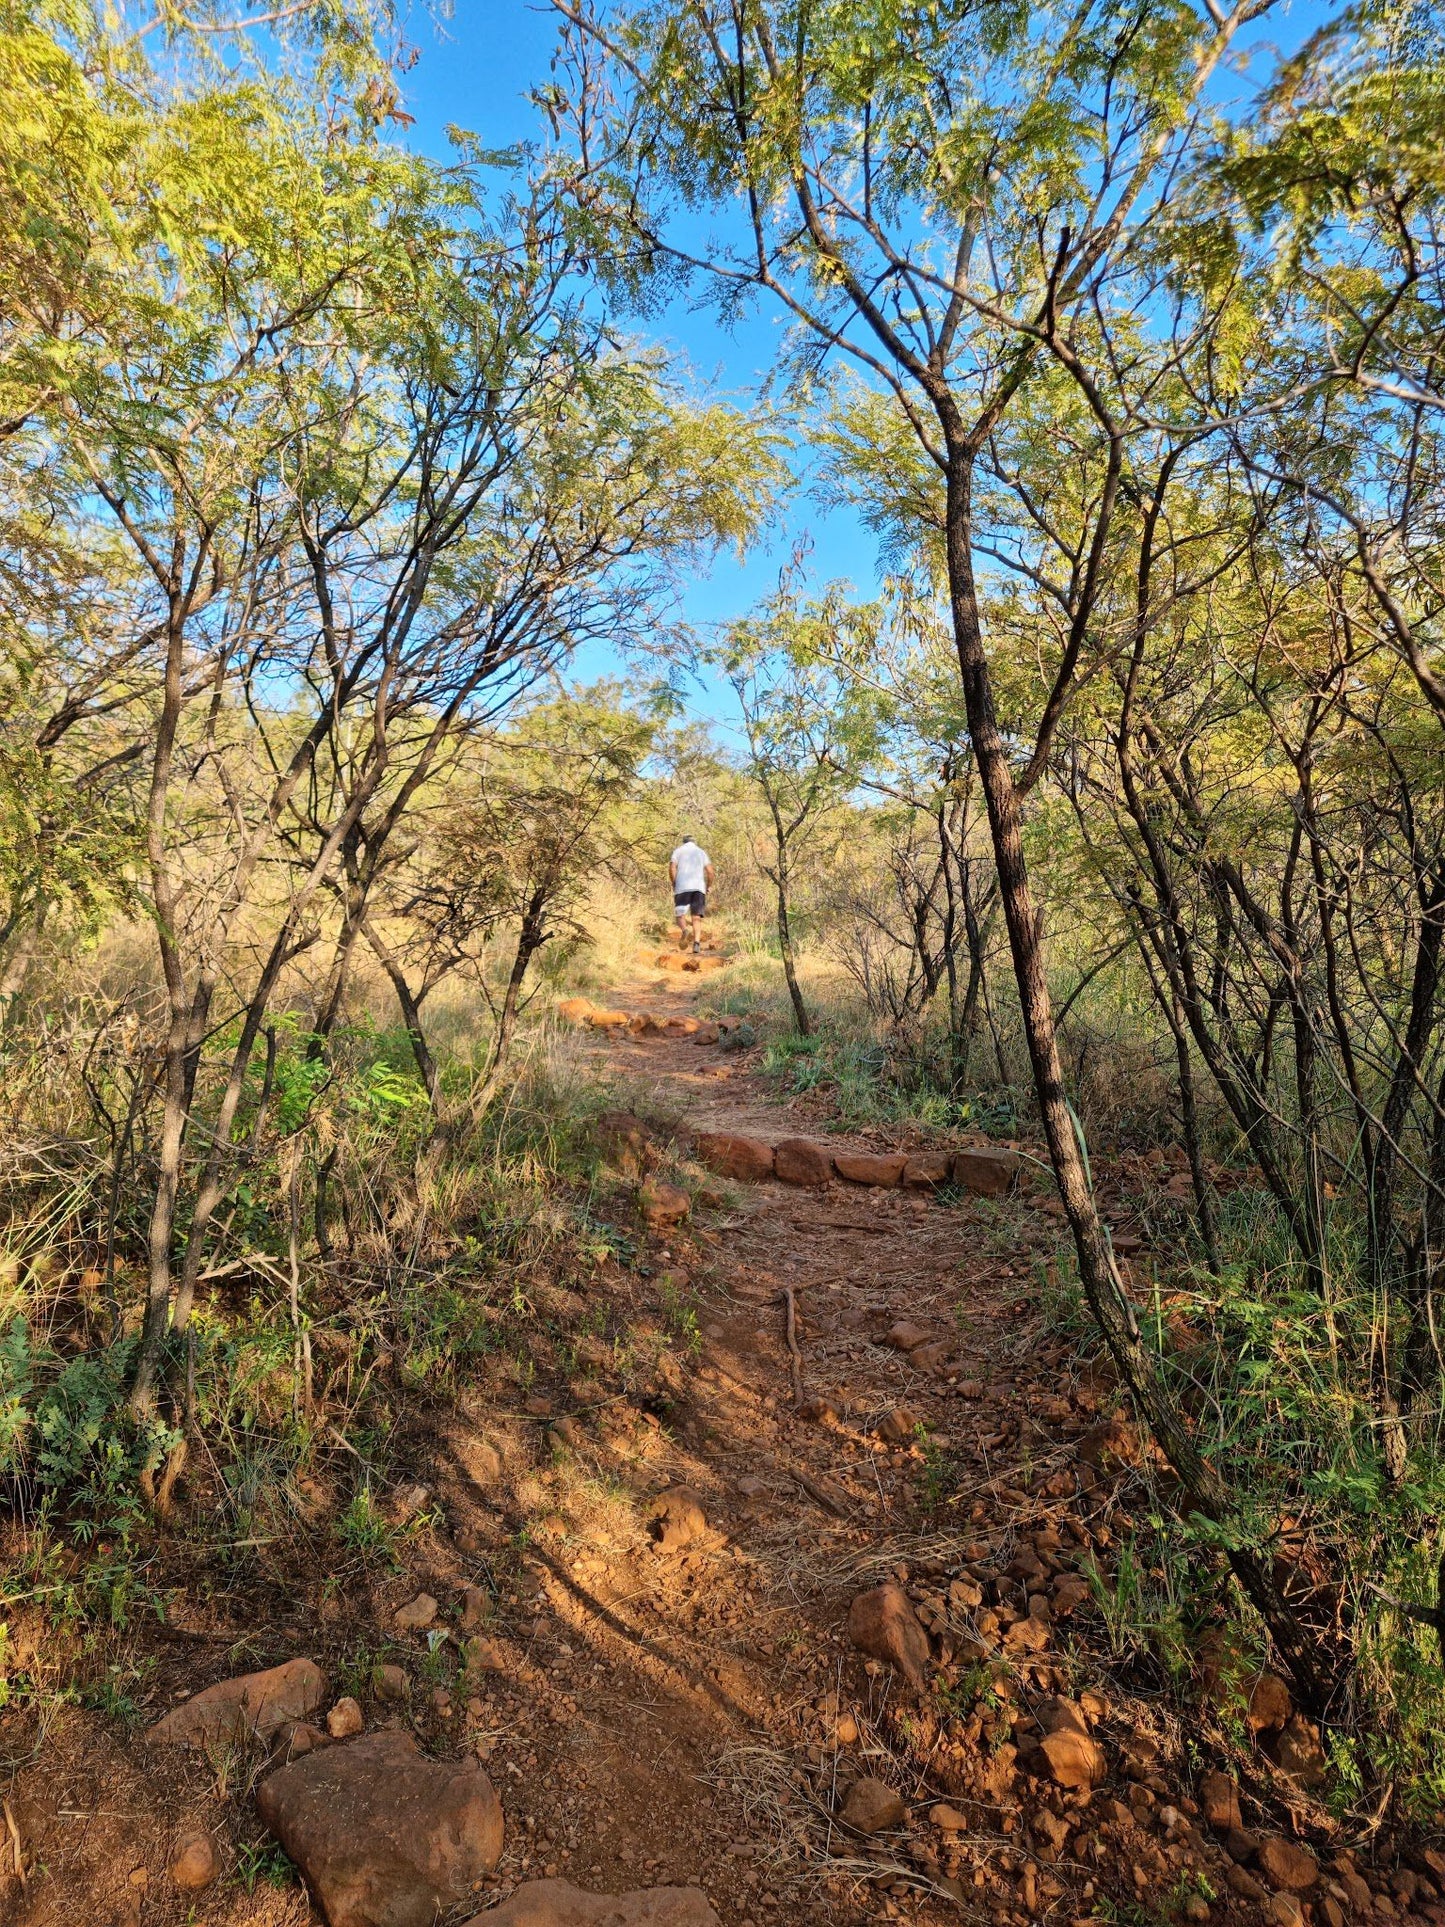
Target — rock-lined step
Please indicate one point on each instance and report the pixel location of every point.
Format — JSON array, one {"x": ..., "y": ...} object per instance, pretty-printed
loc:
[
  {"x": 985, "y": 1172},
  {"x": 582, "y": 1012},
  {"x": 557, "y": 1903}
]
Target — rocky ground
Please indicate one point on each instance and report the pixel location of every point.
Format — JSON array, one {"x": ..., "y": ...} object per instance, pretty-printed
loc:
[{"x": 778, "y": 1578}]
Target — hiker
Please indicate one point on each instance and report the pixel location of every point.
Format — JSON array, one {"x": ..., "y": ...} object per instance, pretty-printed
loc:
[{"x": 690, "y": 869}]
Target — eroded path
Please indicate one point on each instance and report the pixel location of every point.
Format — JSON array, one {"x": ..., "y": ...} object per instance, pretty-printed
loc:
[{"x": 644, "y": 1532}]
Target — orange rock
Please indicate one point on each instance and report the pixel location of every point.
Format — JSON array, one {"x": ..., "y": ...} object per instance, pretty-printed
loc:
[
  {"x": 869, "y": 1167},
  {"x": 609, "y": 1020},
  {"x": 576, "y": 1010},
  {"x": 662, "y": 1205},
  {"x": 746, "y": 1158},
  {"x": 799, "y": 1160},
  {"x": 883, "y": 1624},
  {"x": 1287, "y": 1866},
  {"x": 1269, "y": 1703},
  {"x": 1219, "y": 1802}
]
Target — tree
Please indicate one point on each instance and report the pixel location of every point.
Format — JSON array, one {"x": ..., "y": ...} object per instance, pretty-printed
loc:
[
  {"x": 806, "y": 733},
  {"x": 939, "y": 197}
]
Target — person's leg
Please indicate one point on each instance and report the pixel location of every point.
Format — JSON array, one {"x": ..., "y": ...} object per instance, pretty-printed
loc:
[
  {"x": 682, "y": 908},
  {"x": 698, "y": 902}
]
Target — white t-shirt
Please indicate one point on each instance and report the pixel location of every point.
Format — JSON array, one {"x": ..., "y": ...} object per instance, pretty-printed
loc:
[{"x": 692, "y": 862}]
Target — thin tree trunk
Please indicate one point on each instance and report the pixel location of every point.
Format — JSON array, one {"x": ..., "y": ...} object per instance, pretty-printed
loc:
[
  {"x": 1203, "y": 1490},
  {"x": 530, "y": 939},
  {"x": 410, "y": 1008},
  {"x": 785, "y": 937}
]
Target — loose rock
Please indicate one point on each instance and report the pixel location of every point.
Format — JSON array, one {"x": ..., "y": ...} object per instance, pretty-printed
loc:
[
  {"x": 1269, "y": 1703},
  {"x": 1287, "y": 1866},
  {"x": 557, "y": 1903},
  {"x": 390, "y": 1683},
  {"x": 883, "y": 1624},
  {"x": 476, "y": 1609},
  {"x": 1219, "y": 1802},
  {"x": 251, "y": 1706},
  {"x": 384, "y": 1837},
  {"x": 662, "y": 1205},
  {"x": 345, "y": 1720},
  {"x": 872, "y": 1806},
  {"x": 898, "y": 1426},
  {"x": 196, "y": 1863},
  {"x": 417, "y": 1614}
]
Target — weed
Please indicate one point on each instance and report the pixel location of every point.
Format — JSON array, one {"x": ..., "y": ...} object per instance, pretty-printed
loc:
[{"x": 260, "y": 1862}]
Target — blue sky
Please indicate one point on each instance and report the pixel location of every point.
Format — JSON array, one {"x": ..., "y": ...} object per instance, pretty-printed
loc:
[{"x": 475, "y": 72}]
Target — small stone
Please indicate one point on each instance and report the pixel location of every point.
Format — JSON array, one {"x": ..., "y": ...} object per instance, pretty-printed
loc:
[
  {"x": 480, "y": 1655},
  {"x": 871, "y": 1806},
  {"x": 1285, "y": 1910},
  {"x": 845, "y": 1730},
  {"x": 883, "y": 1624},
  {"x": 906, "y": 1336},
  {"x": 1269, "y": 1703},
  {"x": 677, "y": 1519},
  {"x": 417, "y": 1614},
  {"x": 196, "y": 1864},
  {"x": 407, "y": 1503},
  {"x": 390, "y": 1683},
  {"x": 1196, "y": 1908},
  {"x": 568, "y": 1432},
  {"x": 948, "y": 1819},
  {"x": 1241, "y": 1845},
  {"x": 1219, "y": 1802},
  {"x": 139, "y": 1877},
  {"x": 933, "y": 1357},
  {"x": 662, "y": 1205},
  {"x": 476, "y": 1609},
  {"x": 897, "y": 1427},
  {"x": 1287, "y": 1866},
  {"x": 345, "y": 1720}
]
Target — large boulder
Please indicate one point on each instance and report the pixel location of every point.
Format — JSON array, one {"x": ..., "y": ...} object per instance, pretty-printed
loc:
[
  {"x": 883, "y": 1624},
  {"x": 799, "y": 1160},
  {"x": 557, "y": 1903},
  {"x": 746, "y": 1158},
  {"x": 383, "y": 1836},
  {"x": 987, "y": 1174},
  {"x": 870, "y": 1167},
  {"x": 252, "y": 1706}
]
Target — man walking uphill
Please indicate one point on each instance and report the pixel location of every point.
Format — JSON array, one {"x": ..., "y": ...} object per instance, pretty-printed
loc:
[{"x": 691, "y": 871}]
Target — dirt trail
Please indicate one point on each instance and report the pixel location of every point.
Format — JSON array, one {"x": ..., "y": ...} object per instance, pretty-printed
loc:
[{"x": 697, "y": 1714}]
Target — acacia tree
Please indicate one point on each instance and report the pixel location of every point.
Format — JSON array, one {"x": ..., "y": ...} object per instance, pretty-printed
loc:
[{"x": 807, "y": 734}]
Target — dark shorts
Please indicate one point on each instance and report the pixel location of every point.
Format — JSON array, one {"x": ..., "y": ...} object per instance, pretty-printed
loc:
[{"x": 690, "y": 900}]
